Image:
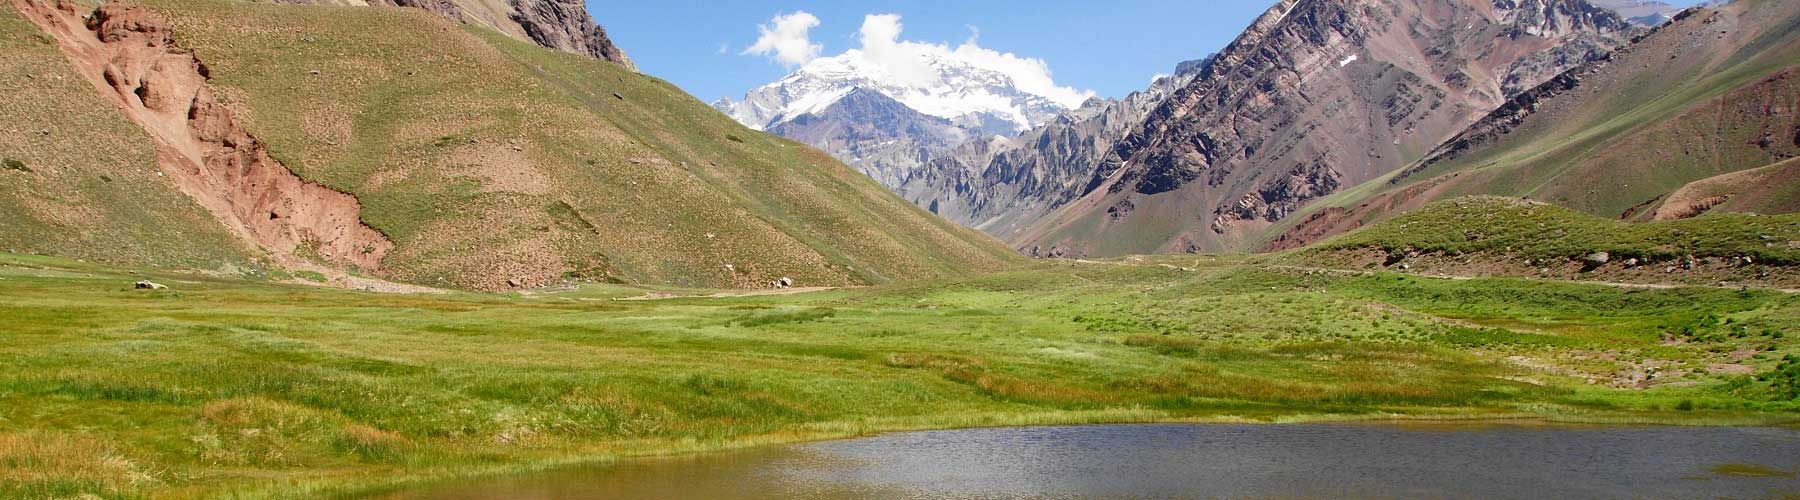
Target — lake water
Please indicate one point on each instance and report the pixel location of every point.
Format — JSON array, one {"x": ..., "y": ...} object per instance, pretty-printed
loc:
[{"x": 1206, "y": 460}]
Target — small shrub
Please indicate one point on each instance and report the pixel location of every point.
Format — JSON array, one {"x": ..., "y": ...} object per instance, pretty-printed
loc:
[
  {"x": 15, "y": 164},
  {"x": 1173, "y": 346},
  {"x": 369, "y": 443}
]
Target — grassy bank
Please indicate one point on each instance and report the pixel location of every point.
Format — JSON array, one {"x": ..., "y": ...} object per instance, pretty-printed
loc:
[{"x": 232, "y": 387}]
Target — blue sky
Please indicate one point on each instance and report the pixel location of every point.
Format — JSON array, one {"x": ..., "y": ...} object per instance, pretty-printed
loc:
[{"x": 1111, "y": 48}]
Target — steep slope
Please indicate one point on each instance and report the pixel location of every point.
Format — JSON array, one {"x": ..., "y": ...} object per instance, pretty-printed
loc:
[
  {"x": 1712, "y": 93},
  {"x": 78, "y": 179},
  {"x": 1004, "y": 185},
  {"x": 557, "y": 24},
  {"x": 489, "y": 163},
  {"x": 1315, "y": 96},
  {"x": 131, "y": 59}
]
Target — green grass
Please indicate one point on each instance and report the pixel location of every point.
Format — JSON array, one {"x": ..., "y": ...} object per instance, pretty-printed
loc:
[{"x": 251, "y": 389}]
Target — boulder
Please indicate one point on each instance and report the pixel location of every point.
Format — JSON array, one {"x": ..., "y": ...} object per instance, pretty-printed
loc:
[
  {"x": 148, "y": 285},
  {"x": 1596, "y": 259},
  {"x": 784, "y": 282}
]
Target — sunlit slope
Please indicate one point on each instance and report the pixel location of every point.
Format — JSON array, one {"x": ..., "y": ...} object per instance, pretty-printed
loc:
[
  {"x": 493, "y": 163},
  {"x": 1713, "y": 93}
]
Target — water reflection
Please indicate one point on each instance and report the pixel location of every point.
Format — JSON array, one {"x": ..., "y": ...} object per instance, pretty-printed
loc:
[{"x": 1185, "y": 461}]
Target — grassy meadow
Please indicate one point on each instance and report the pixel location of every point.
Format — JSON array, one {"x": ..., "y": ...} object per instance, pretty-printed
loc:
[{"x": 251, "y": 389}]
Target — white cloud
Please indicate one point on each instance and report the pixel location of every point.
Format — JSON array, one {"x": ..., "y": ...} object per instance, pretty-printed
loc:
[
  {"x": 907, "y": 61},
  {"x": 724, "y": 48},
  {"x": 786, "y": 39}
]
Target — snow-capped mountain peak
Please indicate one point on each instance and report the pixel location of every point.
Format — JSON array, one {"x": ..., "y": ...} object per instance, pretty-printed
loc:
[{"x": 935, "y": 83}]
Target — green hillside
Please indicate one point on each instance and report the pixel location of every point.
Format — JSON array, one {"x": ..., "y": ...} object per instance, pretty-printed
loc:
[
  {"x": 487, "y": 160},
  {"x": 1488, "y": 235}
]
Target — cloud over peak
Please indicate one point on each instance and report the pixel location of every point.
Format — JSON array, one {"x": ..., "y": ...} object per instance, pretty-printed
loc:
[
  {"x": 910, "y": 63},
  {"x": 787, "y": 39}
]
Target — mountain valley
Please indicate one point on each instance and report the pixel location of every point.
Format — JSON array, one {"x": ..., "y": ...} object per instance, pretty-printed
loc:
[{"x": 468, "y": 248}]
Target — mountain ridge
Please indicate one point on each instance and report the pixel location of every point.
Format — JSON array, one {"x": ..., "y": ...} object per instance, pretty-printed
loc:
[
  {"x": 965, "y": 100},
  {"x": 1203, "y": 174}
]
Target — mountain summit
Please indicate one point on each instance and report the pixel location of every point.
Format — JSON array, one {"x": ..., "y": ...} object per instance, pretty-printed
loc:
[
  {"x": 949, "y": 85},
  {"x": 946, "y": 95}
]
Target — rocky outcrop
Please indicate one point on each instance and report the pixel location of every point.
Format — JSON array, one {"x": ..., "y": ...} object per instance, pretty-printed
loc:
[
  {"x": 130, "y": 56},
  {"x": 1348, "y": 89},
  {"x": 565, "y": 25},
  {"x": 1278, "y": 197}
]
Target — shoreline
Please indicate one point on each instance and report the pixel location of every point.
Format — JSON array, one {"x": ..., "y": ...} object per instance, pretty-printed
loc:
[{"x": 392, "y": 487}]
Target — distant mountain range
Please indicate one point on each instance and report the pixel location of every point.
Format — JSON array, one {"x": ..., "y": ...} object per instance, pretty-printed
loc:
[
  {"x": 844, "y": 105},
  {"x": 1315, "y": 97}
]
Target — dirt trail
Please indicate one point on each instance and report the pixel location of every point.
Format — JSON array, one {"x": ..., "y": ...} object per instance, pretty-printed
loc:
[
  {"x": 734, "y": 293},
  {"x": 128, "y": 53},
  {"x": 1170, "y": 266}
]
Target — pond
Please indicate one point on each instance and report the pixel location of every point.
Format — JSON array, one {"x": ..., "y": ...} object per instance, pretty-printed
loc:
[{"x": 1205, "y": 460}]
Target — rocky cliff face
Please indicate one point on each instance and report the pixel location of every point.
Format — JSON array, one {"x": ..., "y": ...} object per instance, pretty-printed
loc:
[
  {"x": 1315, "y": 96},
  {"x": 564, "y": 25}
]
